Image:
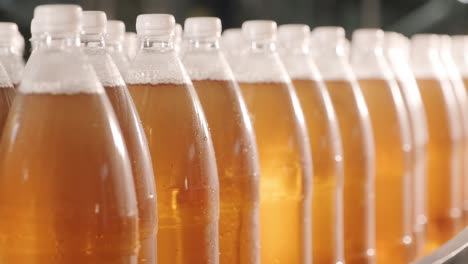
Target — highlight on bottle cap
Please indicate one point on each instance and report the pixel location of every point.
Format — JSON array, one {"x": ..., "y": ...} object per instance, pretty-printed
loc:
[
  {"x": 367, "y": 37},
  {"x": 293, "y": 32},
  {"x": 115, "y": 30},
  {"x": 259, "y": 30},
  {"x": 9, "y": 32},
  {"x": 58, "y": 18},
  {"x": 94, "y": 22},
  {"x": 155, "y": 24},
  {"x": 202, "y": 27}
]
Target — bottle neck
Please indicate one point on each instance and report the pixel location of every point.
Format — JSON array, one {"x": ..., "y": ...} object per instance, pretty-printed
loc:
[
  {"x": 262, "y": 46},
  {"x": 155, "y": 43},
  {"x": 201, "y": 44},
  {"x": 58, "y": 41},
  {"x": 93, "y": 41}
]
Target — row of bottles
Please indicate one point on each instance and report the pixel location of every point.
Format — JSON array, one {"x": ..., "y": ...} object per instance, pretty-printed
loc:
[{"x": 256, "y": 145}]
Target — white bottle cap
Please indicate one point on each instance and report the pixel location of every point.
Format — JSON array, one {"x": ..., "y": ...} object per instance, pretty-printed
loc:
[
  {"x": 8, "y": 32},
  {"x": 459, "y": 45},
  {"x": 94, "y": 22},
  {"x": 178, "y": 31},
  {"x": 115, "y": 31},
  {"x": 58, "y": 18},
  {"x": 331, "y": 38},
  {"x": 259, "y": 30},
  {"x": 155, "y": 24},
  {"x": 367, "y": 38},
  {"x": 19, "y": 42},
  {"x": 202, "y": 27},
  {"x": 298, "y": 33}
]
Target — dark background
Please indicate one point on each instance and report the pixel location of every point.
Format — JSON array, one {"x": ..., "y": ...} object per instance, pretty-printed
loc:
[{"x": 405, "y": 16}]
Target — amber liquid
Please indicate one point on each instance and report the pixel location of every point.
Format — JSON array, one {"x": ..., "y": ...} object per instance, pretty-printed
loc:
[
  {"x": 444, "y": 173},
  {"x": 465, "y": 180},
  {"x": 418, "y": 174},
  {"x": 185, "y": 172},
  {"x": 238, "y": 170},
  {"x": 142, "y": 169},
  {"x": 358, "y": 160},
  {"x": 390, "y": 126},
  {"x": 286, "y": 175},
  {"x": 325, "y": 143},
  {"x": 7, "y": 94},
  {"x": 67, "y": 193}
]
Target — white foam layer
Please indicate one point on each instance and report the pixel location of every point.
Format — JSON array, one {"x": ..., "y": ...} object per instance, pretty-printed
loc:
[
  {"x": 149, "y": 67},
  {"x": 334, "y": 68},
  {"x": 371, "y": 66},
  {"x": 106, "y": 70},
  {"x": 203, "y": 65},
  {"x": 300, "y": 66},
  {"x": 4, "y": 79},
  {"x": 258, "y": 67},
  {"x": 14, "y": 66},
  {"x": 59, "y": 72}
]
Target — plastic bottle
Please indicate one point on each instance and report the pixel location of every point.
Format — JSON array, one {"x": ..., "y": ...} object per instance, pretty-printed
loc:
[
  {"x": 283, "y": 146},
  {"x": 92, "y": 39},
  {"x": 66, "y": 183},
  {"x": 445, "y": 149},
  {"x": 233, "y": 139},
  {"x": 325, "y": 143},
  {"x": 396, "y": 51},
  {"x": 393, "y": 146},
  {"x": 328, "y": 52},
  {"x": 180, "y": 144}
]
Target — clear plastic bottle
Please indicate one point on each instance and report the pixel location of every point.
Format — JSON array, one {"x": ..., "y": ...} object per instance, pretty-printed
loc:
[
  {"x": 10, "y": 52},
  {"x": 232, "y": 44},
  {"x": 114, "y": 44},
  {"x": 283, "y": 146},
  {"x": 460, "y": 56},
  {"x": 7, "y": 94},
  {"x": 67, "y": 193},
  {"x": 178, "y": 38},
  {"x": 325, "y": 143},
  {"x": 397, "y": 54},
  {"x": 328, "y": 52},
  {"x": 445, "y": 149},
  {"x": 92, "y": 39},
  {"x": 130, "y": 45},
  {"x": 393, "y": 146},
  {"x": 233, "y": 140},
  {"x": 180, "y": 145},
  {"x": 461, "y": 97}
]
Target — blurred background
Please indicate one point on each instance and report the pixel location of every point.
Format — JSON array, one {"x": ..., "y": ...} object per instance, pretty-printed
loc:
[{"x": 405, "y": 16}]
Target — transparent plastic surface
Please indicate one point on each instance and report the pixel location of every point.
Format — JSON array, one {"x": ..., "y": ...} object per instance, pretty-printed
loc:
[
  {"x": 182, "y": 153},
  {"x": 11, "y": 53},
  {"x": 461, "y": 96},
  {"x": 235, "y": 149},
  {"x": 357, "y": 141},
  {"x": 390, "y": 125},
  {"x": 7, "y": 94},
  {"x": 325, "y": 144},
  {"x": 285, "y": 160},
  {"x": 396, "y": 52},
  {"x": 460, "y": 56},
  {"x": 135, "y": 140},
  {"x": 66, "y": 183},
  {"x": 445, "y": 149}
]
